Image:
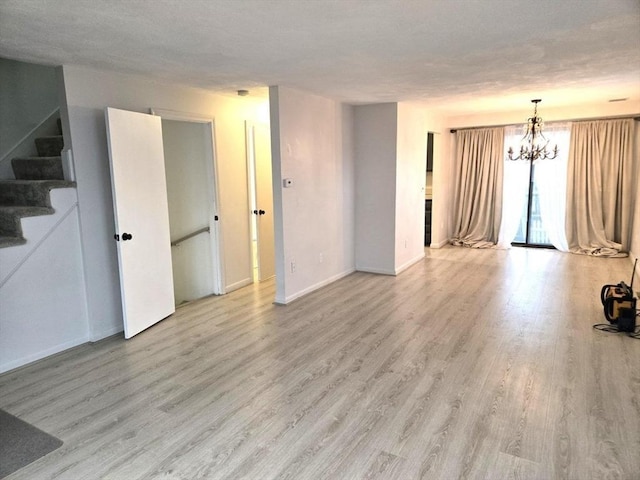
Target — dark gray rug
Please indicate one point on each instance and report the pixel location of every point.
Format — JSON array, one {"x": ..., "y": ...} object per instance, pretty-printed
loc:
[{"x": 21, "y": 444}]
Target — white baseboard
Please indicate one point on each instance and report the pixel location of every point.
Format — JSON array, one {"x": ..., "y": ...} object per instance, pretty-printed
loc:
[
  {"x": 398, "y": 270},
  {"x": 107, "y": 332},
  {"x": 408, "y": 264},
  {"x": 21, "y": 362},
  {"x": 235, "y": 286},
  {"x": 439, "y": 244},
  {"x": 290, "y": 298},
  {"x": 379, "y": 271}
]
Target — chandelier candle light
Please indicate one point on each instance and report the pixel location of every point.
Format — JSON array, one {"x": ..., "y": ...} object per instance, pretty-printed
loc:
[{"x": 533, "y": 145}]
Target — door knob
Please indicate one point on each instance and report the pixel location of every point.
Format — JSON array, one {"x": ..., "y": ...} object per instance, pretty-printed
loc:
[
  {"x": 255, "y": 212},
  {"x": 261, "y": 212},
  {"x": 126, "y": 236}
]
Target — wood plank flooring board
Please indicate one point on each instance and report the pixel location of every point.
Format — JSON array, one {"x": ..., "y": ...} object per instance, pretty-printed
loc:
[
  {"x": 483, "y": 426},
  {"x": 569, "y": 440},
  {"x": 509, "y": 467},
  {"x": 470, "y": 364},
  {"x": 303, "y": 442},
  {"x": 74, "y": 379},
  {"x": 355, "y": 353},
  {"x": 118, "y": 443},
  {"x": 447, "y": 420},
  {"x": 325, "y": 411},
  {"x": 614, "y": 425},
  {"x": 40, "y": 377},
  {"x": 352, "y": 425},
  {"x": 528, "y": 401},
  {"x": 296, "y": 390}
]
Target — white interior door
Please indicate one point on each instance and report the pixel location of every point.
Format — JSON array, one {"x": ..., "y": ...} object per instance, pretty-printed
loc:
[
  {"x": 264, "y": 201},
  {"x": 142, "y": 220}
]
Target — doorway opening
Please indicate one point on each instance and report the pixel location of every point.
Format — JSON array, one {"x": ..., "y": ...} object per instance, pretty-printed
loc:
[
  {"x": 260, "y": 201},
  {"x": 531, "y": 232},
  {"x": 188, "y": 144},
  {"x": 534, "y": 192},
  {"x": 428, "y": 191}
]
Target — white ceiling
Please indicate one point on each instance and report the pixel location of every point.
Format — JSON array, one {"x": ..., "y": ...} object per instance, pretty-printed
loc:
[{"x": 453, "y": 54}]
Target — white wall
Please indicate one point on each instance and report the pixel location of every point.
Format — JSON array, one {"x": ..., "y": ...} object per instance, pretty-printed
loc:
[
  {"x": 411, "y": 165},
  {"x": 390, "y": 180},
  {"x": 375, "y": 136},
  {"x": 42, "y": 309},
  {"x": 88, "y": 92},
  {"x": 312, "y": 145}
]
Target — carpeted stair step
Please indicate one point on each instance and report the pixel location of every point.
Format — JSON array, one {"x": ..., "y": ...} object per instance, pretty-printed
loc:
[
  {"x": 37, "y": 168},
  {"x": 10, "y": 225},
  {"x": 34, "y": 193},
  {"x": 24, "y": 198},
  {"x": 11, "y": 241},
  {"x": 49, "y": 146}
]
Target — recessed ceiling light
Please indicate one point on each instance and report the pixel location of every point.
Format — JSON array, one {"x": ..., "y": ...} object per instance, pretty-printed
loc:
[{"x": 619, "y": 99}]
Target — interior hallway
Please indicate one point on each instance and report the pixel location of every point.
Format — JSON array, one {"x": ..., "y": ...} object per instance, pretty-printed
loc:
[{"x": 470, "y": 364}]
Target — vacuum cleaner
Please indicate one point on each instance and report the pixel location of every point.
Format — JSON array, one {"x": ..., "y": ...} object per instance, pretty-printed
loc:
[{"x": 619, "y": 304}]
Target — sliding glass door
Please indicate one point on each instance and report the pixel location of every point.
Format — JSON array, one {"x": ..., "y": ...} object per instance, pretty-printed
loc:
[
  {"x": 531, "y": 231},
  {"x": 534, "y": 202}
]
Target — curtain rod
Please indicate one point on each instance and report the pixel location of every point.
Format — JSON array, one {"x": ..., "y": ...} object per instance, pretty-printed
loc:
[{"x": 637, "y": 119}]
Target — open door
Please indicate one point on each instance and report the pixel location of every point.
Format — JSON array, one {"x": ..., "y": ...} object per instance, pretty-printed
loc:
[
  {"x": 188, "y": 154},
  {"x": 142, "y": 220},
  {"x": 259, "y": 137}
]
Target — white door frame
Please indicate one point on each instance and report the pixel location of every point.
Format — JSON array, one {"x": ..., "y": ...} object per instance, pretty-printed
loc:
[
  {"x": 214, "y": 201},
  {"x": 251, "y": 193},
  {"x": 252, "y": 184}
]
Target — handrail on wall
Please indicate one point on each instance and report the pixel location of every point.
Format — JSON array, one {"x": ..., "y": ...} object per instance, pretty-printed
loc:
[{"x": 187, "y": 237}]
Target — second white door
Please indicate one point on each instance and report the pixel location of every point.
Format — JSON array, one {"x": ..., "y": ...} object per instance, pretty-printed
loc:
[{"x": 259, "y": 150}]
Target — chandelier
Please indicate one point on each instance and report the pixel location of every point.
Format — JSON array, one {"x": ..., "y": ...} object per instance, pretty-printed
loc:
[{"x": 533, "y": 145}]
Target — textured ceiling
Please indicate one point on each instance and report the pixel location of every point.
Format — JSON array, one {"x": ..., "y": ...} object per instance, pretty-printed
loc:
[{"x": 453, "y": 54}]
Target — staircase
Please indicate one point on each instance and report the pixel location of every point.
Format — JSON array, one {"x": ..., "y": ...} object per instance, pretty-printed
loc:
[{"x": 29, "y": 194}]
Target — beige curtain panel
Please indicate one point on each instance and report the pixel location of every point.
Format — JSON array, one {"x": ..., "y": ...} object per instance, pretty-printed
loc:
[
  {"x": 600, "y": 190},
  {"x": 478, "y": 190}
]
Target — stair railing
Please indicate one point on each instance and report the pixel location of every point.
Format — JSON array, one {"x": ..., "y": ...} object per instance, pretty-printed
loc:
[{"x": 190, "y": 235}]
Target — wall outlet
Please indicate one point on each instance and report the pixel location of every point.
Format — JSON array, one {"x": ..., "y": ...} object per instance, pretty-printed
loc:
[
  {"x": 321, "y": 257},
  {"x": 293, "y": 267}
]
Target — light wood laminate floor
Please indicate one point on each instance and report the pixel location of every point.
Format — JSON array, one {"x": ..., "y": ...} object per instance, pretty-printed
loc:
[{"x": 471, "y": 364}]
